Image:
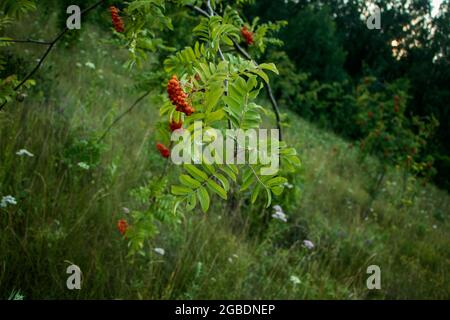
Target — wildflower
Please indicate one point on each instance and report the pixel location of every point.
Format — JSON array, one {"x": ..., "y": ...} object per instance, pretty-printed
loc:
[
  {"x": 277, "y": 208},
  {"x": 126, "y": 210},
  {"x": 288, "y": 185},
  {"x": 295, "y": 280},
  {"x": 122, "y": 225},
  {"x": 116, "y": 19},
  {"x": 279, "y": 214},
  {"x": 160, "y": 251},
  {"x": 248, "y": 35},
  {"x": 308, "y": 244},
  {"x": 8, "y": 200},
  {"x": 90, "y": 65},
  {"x": 24, "y": 152},
  {"x": 163, "y": 150},
  {"x": 83, "y": 165}
]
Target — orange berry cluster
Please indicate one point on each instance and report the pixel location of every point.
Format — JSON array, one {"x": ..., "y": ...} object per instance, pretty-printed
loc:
[
  {"x": 248, "y": 35},
  {"x": 174, "y": 125},
  {"x": 122, "y": 225},
  {"x": 163, "y": 150},
  {"x": 116, "y": 19},
  {"x": 178, "y": 97}
]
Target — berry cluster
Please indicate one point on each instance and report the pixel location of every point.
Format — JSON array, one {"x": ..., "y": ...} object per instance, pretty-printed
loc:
[
  {"x": 163, "y": 150},
  {"x": 122, "y": 225},
  {"x": 248, "y": 35},
  {"x": 116, "y": 19},
  {"x": 174, "y": 125},
  {"x": 178, "y": 97}
]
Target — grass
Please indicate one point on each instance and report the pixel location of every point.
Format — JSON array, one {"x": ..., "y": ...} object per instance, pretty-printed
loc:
[{"x": 66, "y": 213}]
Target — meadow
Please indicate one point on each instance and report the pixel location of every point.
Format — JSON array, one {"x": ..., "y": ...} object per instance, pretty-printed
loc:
[{"x": 74, "y": 187}]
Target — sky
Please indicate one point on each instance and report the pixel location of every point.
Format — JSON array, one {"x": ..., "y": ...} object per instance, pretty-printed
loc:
[{"x": 436, "y": 4}]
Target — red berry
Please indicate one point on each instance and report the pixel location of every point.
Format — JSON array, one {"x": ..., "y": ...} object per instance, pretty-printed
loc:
[
  {"x": 122, "y": 225},
  {"x": 248, "y": 35},
  {"x": 175, "y": 125},
  {"x": 163, "y": 150},
  {"x": 116, "y": 19}
]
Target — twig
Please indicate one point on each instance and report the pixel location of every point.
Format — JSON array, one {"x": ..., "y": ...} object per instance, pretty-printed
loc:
[
  {"x": 44, "y": 43},
  {"x": 50, "y": 47},
  {"x": 123, "y": 115}
]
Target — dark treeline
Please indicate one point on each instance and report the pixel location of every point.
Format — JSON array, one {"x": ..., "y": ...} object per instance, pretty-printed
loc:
[{"x": 329, "y": 42}]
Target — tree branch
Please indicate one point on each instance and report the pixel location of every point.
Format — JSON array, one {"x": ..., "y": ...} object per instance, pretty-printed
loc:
[{"x": 50, "y": 47}]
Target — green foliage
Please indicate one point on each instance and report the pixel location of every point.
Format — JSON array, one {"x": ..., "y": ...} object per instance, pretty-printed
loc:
[
  {"x": 82, "y": 154},
  {"x": 15, "y": 8},
  {"x": 387, "y": 132}
]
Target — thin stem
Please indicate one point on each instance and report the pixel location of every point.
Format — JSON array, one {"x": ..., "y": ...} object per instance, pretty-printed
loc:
[
  {"x": 123, "y": 114},
  {"x": 44, "y": 43}
]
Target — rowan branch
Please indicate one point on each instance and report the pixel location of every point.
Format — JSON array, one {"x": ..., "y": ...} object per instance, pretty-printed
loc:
[
  {"x": 50, "y": 44},
  {"x": 246, "y": 55}
]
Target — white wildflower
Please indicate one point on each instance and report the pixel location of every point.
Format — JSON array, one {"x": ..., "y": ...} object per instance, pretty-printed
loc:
[
  {"x": 126, "y": 210},
  {"x": 288, "y": 185},
  {"x": 24, "y": 152},
  {"x": 160, "y": 251},
  {"x": 308, "y": 244},
  {"x": 279, "y": 214},
  {"x": 8, "y": 200},
  {"x": 90, "y": 65},
  {"x": 83, "y": 165},
  {"x": 277, "y": 208},
  {"x": 295, "y": 280}
]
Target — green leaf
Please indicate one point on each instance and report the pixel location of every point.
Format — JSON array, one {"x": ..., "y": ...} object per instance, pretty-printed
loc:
[
  {"x": 215, "y": 116},
  {"x": 188, "y": 181},
  {"x": 276, "y": 181},
  {"x": 255, "y": 193},
  {"x": 269, "y": 66},
  {"x": 269, "y": 198},
  {"x": 212, "y": 97},
  {"x": 203, "y": 197},
  {"x": 217, "y": 189},
  {"x": 195, "y": 172},
  {"x": 181, "y": 190},
  {"x": 192, "y": 202},
  {"x": 229, "y": 172},
  {"x": 223, "y": 181},
  {"x": 277, "y": 190},
  {"x": 248, "y": 179}
]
